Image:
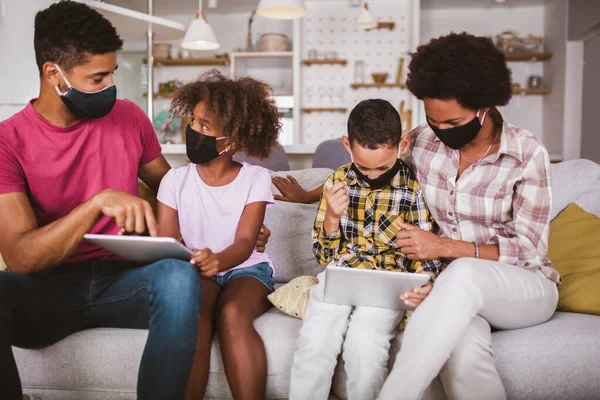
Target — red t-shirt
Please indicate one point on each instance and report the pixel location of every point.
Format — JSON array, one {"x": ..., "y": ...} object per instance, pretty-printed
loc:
[{"x": 60, "y": 168}]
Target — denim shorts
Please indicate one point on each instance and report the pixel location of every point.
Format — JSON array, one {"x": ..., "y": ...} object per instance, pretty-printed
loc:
[{"x": 262, "y": 272}]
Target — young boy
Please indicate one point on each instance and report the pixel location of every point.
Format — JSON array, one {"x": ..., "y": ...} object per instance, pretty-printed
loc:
[{"x": 361, "y": 208}]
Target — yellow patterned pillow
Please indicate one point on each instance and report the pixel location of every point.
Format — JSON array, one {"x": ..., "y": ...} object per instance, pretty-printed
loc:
[
  {"x": 292, "y": 298},
  {"x": 2, "y": 264}
]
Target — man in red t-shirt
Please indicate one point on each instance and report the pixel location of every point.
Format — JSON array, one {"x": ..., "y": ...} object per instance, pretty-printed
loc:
[{"x": 69, "y": 165}]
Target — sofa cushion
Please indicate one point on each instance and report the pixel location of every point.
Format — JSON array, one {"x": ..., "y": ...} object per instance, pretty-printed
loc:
[
  {"x": 574, "y": 251},
  {"x": 557, "y": 360},
  {"x": 290, "y": 244},
  {"x": 107, "y": 360},
  {"x": 575, "y": 181}
]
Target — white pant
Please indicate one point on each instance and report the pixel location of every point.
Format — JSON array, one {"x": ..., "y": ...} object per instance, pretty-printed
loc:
[
  {"x": 449, "y": 333},
  {"x": 368, "y": 332}
]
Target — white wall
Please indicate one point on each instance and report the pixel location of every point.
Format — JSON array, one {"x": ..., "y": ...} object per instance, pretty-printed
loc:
[
  {"x": 19, "y": 77},
  {"x": 522, "y": 111}
]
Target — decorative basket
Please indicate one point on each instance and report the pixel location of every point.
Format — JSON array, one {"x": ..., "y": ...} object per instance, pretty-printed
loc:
[{"x": 273, "y": 42}]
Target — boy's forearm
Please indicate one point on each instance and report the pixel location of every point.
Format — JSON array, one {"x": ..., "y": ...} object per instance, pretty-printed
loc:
[{"x": 331, "y": 224}]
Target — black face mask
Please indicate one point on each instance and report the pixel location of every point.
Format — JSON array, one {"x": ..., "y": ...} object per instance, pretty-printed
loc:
[
  {"x": 201, "y": 149},
  {"x": 457, "y": 137},
  {"x": 88, "y": 104},
  {"x": 382, "y": 180}
]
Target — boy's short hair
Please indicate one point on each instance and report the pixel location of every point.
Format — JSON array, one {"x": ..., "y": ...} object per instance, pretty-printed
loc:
[
  {"x": 374, "y": 123},
  {"x": 68, "y": 32}
]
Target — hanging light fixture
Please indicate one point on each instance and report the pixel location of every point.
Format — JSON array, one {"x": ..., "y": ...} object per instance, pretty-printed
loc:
[
  {"x": 199, "y": 35},
  {"x": 366, "y": 20},
  {"x": 281, "y": 9}
]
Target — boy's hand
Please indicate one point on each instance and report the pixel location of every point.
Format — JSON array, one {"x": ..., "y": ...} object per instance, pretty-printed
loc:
[
  {"x": 417, "y": 295},
  {"x": 419, "y": 244},
  {"x": 337, "y": 201},
  {"x": 206, "y": 261},
  {"x": 262, "y": 239}
]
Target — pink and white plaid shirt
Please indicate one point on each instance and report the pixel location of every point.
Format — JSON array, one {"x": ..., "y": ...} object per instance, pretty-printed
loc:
[{"x": 504, "y": 199}]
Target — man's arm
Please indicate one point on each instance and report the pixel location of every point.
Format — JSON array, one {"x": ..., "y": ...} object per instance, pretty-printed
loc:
[
  {"x": 153, "y": 172},
  {"x": 28, "y": 248}
]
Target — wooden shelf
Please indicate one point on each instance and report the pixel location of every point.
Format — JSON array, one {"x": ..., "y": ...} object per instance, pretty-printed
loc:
[
  {"x": 309, "y": 110},
  {"x": 183, "y": 62},
  {"x": 527, "y": 91},
  {"x": 377, "y": 85},
  {"x": 169, "y": 95},
  {"x": 527, "y": 56},
  {"x": 308, "y": 63},
  {"x": 264, "y": 54}
]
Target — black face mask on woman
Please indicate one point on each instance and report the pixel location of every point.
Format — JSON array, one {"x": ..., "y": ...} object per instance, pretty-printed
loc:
[
  {"x": 200, "y": 148},
  {"x": 458, "y": 136}
]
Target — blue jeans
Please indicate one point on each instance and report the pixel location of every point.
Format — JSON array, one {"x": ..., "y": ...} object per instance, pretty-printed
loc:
[
  {"x": 40, "y": 309},
  {"x": 261, "y": 272}
]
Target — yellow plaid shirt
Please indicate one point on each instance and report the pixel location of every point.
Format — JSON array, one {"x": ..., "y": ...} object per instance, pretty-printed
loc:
[{"x": 366, "y": 237}]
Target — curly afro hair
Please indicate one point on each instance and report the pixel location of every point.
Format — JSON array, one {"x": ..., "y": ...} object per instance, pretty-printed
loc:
[
  {"x": 68, "y": 32},
  {"x": 242, "y": 107},
  {"x": 460, "y": 66}
]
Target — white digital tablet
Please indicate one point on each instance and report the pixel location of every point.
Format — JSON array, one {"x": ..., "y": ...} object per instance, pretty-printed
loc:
[
  {"x": 142, "y": 248},
  {"x": 366, "y": 287}
]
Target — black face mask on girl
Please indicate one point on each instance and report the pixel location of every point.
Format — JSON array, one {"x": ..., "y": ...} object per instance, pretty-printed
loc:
[
  {"x": 457, "y": 137},
  {"x": 200, "y": 148}
]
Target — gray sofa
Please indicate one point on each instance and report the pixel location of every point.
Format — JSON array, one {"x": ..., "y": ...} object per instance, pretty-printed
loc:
[{"x": 558, "y": 360}]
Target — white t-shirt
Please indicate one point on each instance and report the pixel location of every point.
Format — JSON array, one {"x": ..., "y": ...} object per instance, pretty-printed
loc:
[{"x": 209, "y": 215}]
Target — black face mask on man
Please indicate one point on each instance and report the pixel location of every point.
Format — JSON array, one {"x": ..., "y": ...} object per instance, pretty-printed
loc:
[
  {"x": 458, "y": 136},
  {"x": 200, "y": 148},
  {"x": 88, "y": 104}
]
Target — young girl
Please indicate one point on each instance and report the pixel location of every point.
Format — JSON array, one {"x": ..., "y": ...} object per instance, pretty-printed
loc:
[{"x": 218, "y": 206}]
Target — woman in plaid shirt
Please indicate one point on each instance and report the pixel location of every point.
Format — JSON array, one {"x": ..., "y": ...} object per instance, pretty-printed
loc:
[{"x": 487, "y": 185}]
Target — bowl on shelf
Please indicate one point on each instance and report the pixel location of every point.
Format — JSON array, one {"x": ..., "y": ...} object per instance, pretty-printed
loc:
[{"x": 379, "y": 77}]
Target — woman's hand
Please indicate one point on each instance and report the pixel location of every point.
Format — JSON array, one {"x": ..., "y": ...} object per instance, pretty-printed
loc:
[
  {"x": 290, "y": 190},
  {"x": 206, "y": 261},
  {"x": 418, "y": 244},
  {"x": 417, "y": 295}
]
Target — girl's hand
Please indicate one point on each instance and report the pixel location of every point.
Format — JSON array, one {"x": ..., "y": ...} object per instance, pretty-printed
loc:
[
  {"x": 417, "y": 295},
  {"x": 206, "y": 261},
  {"x": 418, "y": 244}
]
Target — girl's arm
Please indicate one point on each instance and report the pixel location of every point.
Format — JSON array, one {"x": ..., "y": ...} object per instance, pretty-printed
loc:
[
  {"x": 168, "y": 221},
  {"x": 240, "y": 250},
  {"x": 245, "y": 236}
]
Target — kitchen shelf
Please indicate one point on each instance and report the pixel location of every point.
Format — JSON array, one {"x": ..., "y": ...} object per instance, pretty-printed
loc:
[
  {"x": 527, "y": 56},
  {"x": 377, "y": 85},
  {"x": 264, "y": 54},
  {"x": 528, "y": 91},
  {"x": 309, "y": 110},
  {"x": 308, "y": 63},
  {"x": 169, "y": 95},
  {"x": 190, "y": 62}
]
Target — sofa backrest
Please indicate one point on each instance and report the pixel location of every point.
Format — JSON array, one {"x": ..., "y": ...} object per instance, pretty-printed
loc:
[{"x": 290, "y": 245}]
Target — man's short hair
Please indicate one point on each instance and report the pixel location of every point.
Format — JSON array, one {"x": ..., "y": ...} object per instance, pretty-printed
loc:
[{"x": 68, "y": 32}]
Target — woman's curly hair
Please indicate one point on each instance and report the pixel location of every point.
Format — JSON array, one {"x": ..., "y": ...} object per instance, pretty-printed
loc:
[
  {"x": 460, "y": 66},
  {"x": 242, "y": 107}
]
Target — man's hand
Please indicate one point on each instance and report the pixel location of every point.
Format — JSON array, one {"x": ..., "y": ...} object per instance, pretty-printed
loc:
[
  {"x": 131, "y": 213},
  {"x": 417, "y": 295},
  {"x": 418, "y": 244},
  {"x": 263, "y": 239},
  {"x": 206, "y": 261},
  {"x": 337, "y": 201},
  {"x": 290, "y": 190}
]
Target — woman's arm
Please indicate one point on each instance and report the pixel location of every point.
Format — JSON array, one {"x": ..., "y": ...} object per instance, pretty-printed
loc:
[{"x": 458, "y": 249}]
